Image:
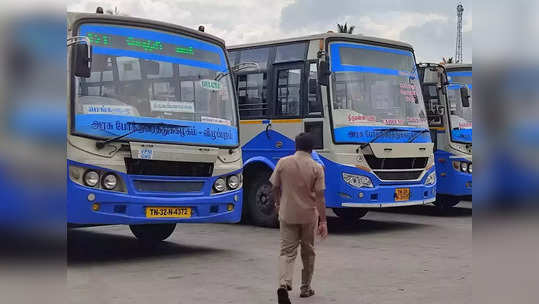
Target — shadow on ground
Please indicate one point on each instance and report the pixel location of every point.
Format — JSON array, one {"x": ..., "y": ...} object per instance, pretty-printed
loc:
[
  {"x": 429, "y": 210},
  {"x": 87, "y": 246},
  {"x": 366, "y": 226}
]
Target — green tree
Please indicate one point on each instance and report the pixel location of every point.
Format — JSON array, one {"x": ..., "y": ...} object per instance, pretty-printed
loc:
[{"x": 345, "y": 28}]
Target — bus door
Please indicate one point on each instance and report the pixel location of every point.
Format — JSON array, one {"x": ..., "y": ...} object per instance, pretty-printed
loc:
[{"x": 289, "y": 96}]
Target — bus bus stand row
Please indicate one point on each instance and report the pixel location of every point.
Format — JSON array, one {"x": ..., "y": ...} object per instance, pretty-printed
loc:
[{"x": 166, "y": 125}]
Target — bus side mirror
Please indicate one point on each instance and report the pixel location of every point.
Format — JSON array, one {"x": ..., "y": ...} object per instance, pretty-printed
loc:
[
  {"x": 465, "y": 97},
  {"x": 82, "y": 60},
  {"x": 323, "y": 73}
]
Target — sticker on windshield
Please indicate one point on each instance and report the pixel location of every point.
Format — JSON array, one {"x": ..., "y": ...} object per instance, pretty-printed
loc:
[
  {"x": 361, "y": 118},
  {"x": 415, "y": 121},
  {"x": 172, "y": 106},
  {"x": 408, "y": 91},
  {"x": 145, "y": 153},
  {"x": 209, "y": 84},
  {"x": 214, "y": 120},
  {"x": 108, "y": 109},
  {"x": 393, "y": 121}
]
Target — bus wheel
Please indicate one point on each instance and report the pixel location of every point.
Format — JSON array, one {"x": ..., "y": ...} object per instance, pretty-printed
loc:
[
  {"x": 152, "y": 232},
  {"x": 260, "y": 207},
  {"x": 444, "y": 202},
  {"x": 350, "y": 215}
]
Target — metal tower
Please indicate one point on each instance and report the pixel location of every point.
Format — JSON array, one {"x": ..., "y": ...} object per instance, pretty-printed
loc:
[{"x": 458, "y": 50}]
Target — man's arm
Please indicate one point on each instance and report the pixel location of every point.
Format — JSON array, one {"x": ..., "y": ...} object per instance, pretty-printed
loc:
[
  {"x": 275, "y": 181},
  {"x": 320, "y": 186},
  {"x": 321, "y": 205},
  {"x": 276, "y": 195}
]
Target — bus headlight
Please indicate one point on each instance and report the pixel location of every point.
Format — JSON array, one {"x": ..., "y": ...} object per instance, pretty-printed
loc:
[
  {"x": 233, "y": 181},
  {"x": 462, "y": 166},
  {"x": 91, "y": 178},
  {"x": 431, "y": 179},
  {"x": 109, "y": 181},
  {"x": 219, "y": 185},
  {"x": 358, "y": 181}
]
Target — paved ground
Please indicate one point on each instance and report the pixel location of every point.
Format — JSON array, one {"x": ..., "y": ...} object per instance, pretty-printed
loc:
[{"x": 410, "y": 255}]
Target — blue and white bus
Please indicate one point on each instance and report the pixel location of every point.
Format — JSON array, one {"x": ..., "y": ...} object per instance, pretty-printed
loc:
[
  {"x": 152, "y": 135},
  {"x": 361, "y": 98},
  {"x": 449, "y": 107}
]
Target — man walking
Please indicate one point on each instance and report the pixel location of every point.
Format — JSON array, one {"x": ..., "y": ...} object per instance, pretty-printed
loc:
[{"x": 298, "y": 192}]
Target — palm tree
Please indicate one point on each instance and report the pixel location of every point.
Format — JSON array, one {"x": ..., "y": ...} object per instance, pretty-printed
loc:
[
  {"x": 446, "y": 61},
  {"x": 345, "y": 29}
]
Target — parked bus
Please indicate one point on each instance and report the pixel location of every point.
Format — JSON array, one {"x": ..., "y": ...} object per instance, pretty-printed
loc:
[
  {"x": 152, "y": 135},
  {"x": 449, "y": 108},
  {"x": 360, "y": 97}
]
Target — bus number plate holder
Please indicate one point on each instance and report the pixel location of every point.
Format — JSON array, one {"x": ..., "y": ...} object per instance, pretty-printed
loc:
[
  {"x": 402, "y": 194},
  {"x": 168, "y": 212}
]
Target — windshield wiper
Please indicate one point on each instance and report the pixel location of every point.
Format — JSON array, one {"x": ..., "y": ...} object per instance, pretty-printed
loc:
[
  {"x": 380, "y": 135},
  {"x": 101, "y": 144},
  {"x": 418, "y": 132}
]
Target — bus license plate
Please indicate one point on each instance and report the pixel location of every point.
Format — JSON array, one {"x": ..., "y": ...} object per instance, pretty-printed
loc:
[
  {"x": 402, "y": 194},
  {"x": 168, "y": 212}
]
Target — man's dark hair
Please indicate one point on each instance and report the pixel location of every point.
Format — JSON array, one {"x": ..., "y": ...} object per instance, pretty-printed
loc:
[{"x": 304, "y": 142}]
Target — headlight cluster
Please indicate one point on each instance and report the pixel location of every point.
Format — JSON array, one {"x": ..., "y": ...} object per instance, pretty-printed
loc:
[
  {"x": 231, "y": 182},
  {"x": 462, "y": 166},
  {"x": 358, "y": 181},
  {"x": 109, "y": 181},
  {"x": 431, "y": 179}
]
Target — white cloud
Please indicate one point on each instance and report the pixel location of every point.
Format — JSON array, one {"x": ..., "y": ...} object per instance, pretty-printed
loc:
[{"x": 245, "y": 21}]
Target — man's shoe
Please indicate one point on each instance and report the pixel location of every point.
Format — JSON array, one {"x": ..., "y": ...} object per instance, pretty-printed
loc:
[
  {"x": 282, "y": 295},
  {"x": 306, "y": 292}
]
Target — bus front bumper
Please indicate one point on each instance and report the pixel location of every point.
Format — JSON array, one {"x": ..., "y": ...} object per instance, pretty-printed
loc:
[{"x": 120, "y": 208}]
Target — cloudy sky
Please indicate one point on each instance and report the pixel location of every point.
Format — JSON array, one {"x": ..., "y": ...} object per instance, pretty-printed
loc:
[{"x": 429, "y": 25}]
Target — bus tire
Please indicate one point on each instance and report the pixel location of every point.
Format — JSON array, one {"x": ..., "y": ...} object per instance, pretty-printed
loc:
[
  {"x": 445, "y": 202},
  {"x": 260, "y": 208},
  {"x": 350, "y": 215},
  {"x": 152, "y": 233}
]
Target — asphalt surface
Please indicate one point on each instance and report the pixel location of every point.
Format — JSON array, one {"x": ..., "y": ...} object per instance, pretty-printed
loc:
[{"x": 406, "y": 255}]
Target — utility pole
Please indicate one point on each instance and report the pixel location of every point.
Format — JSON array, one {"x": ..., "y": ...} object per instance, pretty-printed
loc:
[{"x": 458, "y": 50}]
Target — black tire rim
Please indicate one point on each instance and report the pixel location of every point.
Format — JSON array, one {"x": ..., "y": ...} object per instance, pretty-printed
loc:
[{"x": 264, "y": 203}]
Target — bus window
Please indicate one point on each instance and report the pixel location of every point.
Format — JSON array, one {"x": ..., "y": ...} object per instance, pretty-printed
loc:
[
  {"x": 288, "y": 92},
  {"x": 291, "y": 52},
  {"x": 252, "y": 95},
  {"x": 314, "y": 102},
  {"x": 258, "y": 55}
]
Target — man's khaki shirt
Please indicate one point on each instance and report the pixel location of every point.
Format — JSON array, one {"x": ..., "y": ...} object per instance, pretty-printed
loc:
[{"x": 299, "y": 178}]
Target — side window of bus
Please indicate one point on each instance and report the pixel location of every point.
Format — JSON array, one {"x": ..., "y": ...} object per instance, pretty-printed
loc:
[
  {"x": 314, "y": 105},
  {"x": 252, "y": 84},
  {"x": 288, "y": 92}
]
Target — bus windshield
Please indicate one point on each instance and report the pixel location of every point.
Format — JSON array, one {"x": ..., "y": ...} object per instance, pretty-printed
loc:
[
  {"x": 153, "y": 81},
  {"x": 375, "y": 88},
  {"x": 460, "y": 117}
]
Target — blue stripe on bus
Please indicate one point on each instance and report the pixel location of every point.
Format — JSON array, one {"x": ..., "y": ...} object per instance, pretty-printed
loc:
[
  {"x": 464, "y": 135},
  {"x": 154, "y": 35},
  {"x": 336, "y": 65},
  {"x": 459, "y": 73},
  {"x": 106, "y": 125},
  {"x": 362, "y": 134},
  {"x": 135, "y": 54}
]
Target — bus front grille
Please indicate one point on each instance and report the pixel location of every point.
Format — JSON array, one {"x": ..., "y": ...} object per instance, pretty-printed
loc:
[
  {"x": 396, "y": 163},
  {"x": 168, "y": 186},
  {"x": 167, "y": 168},
  {"x": 398, "y": 175}
]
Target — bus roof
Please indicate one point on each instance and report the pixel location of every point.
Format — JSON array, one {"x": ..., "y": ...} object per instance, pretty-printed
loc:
[
  {"x": 73, "y": 16},
  {"x": 324, "y": 36},
  {"x": 458, "y": 66}
]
